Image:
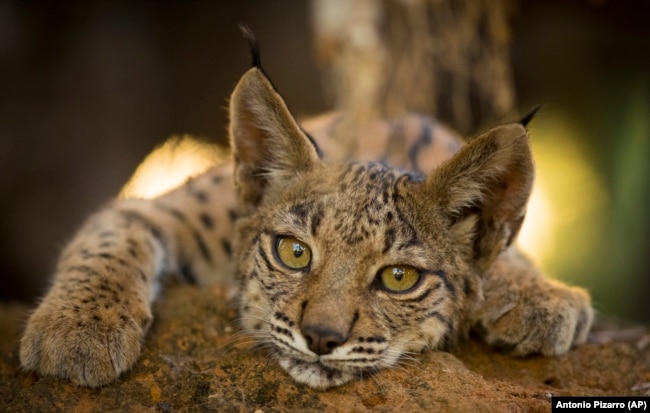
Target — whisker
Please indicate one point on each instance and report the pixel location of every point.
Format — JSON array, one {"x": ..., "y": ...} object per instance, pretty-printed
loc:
[
  {"x": 380, "y": 385},
  {"x": 244, "y": 336}
]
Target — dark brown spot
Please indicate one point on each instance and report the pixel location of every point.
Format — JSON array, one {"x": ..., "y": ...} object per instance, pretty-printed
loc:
[{"x": 207, "y": 221}]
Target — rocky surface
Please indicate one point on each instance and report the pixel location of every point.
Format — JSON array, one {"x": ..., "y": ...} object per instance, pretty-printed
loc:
[{"x": 195, "y": 361}]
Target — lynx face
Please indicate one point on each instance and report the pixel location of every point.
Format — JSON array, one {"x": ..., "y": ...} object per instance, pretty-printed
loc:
[{"x": 340, "y": 278}]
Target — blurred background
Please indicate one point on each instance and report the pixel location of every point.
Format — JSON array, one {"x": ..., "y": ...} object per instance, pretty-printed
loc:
[{"x": 87, "y": 89}]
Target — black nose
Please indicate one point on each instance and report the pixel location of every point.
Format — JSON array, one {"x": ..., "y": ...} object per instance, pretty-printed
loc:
[{"x": 322, "y": 340}]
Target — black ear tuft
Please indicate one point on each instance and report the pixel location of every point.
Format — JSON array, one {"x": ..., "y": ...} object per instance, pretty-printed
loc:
[
  {"x": 530, "y": 115},
  {"x": 252, "y": 44},
  {"x": 256, "y": 59}
]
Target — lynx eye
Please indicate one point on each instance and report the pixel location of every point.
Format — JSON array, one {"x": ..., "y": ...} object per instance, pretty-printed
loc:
[
  {"x": 399, "y": 278},
  {"x": 292, "y": 253}
]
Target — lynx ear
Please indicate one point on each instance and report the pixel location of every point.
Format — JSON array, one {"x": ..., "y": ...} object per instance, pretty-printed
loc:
[
  {"x": 267, "y": 143},
  {"x": 484, "y": 188}
]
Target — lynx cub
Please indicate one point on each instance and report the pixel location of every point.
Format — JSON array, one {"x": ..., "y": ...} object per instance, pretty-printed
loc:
[{"x": 344, "y": 266}]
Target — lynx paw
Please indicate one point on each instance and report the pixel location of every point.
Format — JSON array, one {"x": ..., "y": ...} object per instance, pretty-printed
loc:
[
  {"x": 91, "y": 346},
  {"x": 543, "y": 317}
]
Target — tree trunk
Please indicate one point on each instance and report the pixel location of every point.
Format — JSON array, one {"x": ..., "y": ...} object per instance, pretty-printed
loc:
[{"x": 445, "y": 58}]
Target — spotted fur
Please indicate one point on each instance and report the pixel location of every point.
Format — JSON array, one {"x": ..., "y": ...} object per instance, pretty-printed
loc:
[{"x": 413, "y": 196}]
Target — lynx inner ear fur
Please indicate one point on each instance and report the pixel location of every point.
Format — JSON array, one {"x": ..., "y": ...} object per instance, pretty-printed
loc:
[{"x": 484, "y": 190}]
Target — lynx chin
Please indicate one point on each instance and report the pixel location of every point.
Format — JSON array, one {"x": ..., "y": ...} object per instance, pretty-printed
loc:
[{"x": 346, "y": 262}]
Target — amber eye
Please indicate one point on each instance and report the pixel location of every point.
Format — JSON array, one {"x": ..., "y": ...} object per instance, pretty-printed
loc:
[
  {"x": 292, "y": 253},
  {"x": 398, "y": 278}
]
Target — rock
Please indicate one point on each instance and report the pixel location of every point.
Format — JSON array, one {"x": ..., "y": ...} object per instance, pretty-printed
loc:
[{"x": 195, "y": 360}]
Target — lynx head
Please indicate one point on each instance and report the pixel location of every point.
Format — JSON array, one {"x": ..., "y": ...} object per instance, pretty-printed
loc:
[{"x": 347, "y": 267}]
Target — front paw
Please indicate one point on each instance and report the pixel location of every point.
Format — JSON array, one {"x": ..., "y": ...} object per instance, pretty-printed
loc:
[
  {"x": 542, "y": 317},
  {"x": 89, "y": 344}
]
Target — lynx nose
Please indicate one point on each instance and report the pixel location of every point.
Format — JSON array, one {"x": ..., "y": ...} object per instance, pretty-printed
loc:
[{"x": 322, "y": 340}]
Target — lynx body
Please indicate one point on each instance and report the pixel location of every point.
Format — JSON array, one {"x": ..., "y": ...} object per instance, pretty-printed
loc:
[{"x": 344, "y": 266}]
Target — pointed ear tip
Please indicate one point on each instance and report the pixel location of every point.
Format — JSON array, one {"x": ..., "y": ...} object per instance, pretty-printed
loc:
[
  {"x": 511, "y": 130},
  {"x": 511, "y": 136},
  {"x": 245, "y": 92},
  {"x": 252, "y": 78},
  {"x": 254, "y": 72}
]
